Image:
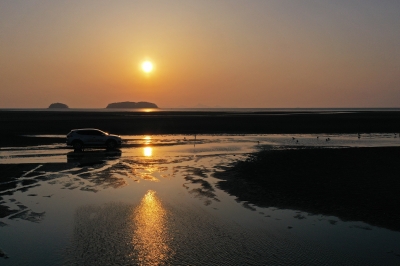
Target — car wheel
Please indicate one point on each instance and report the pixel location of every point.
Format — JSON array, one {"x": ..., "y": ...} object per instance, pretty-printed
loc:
[
  {"x": 111, "y": 144},
  {"x": 78, "y": 145}
]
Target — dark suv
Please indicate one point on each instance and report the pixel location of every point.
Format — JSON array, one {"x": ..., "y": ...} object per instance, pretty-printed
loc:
[{"x": 91, "y": 137}]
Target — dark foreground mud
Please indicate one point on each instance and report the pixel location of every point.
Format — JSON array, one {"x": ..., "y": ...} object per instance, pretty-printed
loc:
[{"x": 359, "y": 184}]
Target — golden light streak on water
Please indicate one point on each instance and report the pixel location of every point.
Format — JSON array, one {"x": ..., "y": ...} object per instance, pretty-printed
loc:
[
  {"x": 147, "y": 140},
  {"x": 148, "y": 151},
  {"x": 150, "y": 238}
]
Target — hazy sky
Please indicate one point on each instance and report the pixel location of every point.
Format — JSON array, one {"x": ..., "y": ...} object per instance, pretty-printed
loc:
[{"x": 227, "y": 53}]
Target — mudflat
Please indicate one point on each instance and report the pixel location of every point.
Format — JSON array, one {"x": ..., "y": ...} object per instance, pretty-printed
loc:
[
  {"x": 357, "y": 184},
  {"x": 297, "y": 198},
  {"x": 61, "y": 122},
  {"x": 17, "y": 124}
]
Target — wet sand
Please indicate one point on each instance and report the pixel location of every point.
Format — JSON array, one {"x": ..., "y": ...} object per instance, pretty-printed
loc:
[
  {"x": 357, "y": 184},
  {"x": 165, "y": 207}
]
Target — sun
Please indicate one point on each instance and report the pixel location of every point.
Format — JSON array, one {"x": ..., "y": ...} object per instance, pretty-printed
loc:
[{"x": 147, "y": 66}]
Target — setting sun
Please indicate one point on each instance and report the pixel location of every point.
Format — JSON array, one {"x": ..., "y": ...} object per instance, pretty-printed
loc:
[{"x": 147, "y": 66}]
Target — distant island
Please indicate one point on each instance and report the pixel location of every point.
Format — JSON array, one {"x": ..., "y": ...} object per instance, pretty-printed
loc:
[
  {"x": 58, "y": 105},
  {"x": 132, "y": 105}
]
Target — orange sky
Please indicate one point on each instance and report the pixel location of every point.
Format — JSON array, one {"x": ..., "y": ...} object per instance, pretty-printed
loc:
[{"x": 269, "y": 54}]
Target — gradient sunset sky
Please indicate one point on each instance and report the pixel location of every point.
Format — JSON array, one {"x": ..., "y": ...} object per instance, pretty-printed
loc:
[{"x": 226, "y": 53}]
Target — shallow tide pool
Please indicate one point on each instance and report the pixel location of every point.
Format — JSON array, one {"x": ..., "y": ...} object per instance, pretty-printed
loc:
[{"x": 155, "y": 202}]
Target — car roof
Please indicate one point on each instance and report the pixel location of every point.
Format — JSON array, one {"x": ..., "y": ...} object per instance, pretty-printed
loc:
[{"x": 80, "y": 129}]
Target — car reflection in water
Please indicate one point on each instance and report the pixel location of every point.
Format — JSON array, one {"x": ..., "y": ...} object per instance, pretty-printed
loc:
[{"x": 89, "y": 158}]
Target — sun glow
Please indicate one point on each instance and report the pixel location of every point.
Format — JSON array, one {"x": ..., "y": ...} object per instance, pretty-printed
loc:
[
  {"x": 148, "y": 151},
  {"x": 147, "y": 66}
]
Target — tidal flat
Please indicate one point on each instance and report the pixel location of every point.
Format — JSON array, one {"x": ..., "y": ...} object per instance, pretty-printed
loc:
[{"x": 174, "y": 199}]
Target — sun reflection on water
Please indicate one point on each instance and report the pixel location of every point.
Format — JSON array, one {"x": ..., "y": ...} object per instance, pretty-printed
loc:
[
  {"x": 148, "y": 151},
  {"x": 150, "y": 239},
  {"x": 147, "y": 140}
]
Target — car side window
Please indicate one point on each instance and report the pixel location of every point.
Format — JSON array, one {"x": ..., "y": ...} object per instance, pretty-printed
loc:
[
  {"x": 90, "y": 133},
  {"x": 84, "y": 132},
  {"x": 97, "y": 133}
]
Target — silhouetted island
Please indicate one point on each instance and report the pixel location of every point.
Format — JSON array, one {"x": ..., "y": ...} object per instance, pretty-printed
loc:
[
  {"x": 132, "y": 105},
  {"x": 58, "y": 105}
]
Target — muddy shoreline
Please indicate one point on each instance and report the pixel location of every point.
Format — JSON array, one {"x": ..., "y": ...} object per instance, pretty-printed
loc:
[
  {"x": 59, "y": 122},
  {"x": 354, "y": 184},
  {"x": 16, "y": 125}
]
